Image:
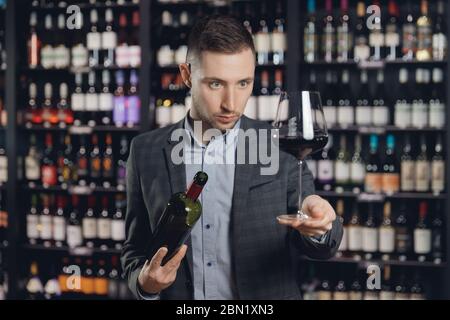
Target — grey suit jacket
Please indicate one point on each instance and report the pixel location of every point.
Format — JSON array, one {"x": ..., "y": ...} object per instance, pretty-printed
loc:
[{"x": 264, "y": 252}]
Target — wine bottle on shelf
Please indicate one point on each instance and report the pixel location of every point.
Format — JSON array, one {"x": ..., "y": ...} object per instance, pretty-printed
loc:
[
  {"x": 121, "y": 52},
  {"x": 113, "y": 279},
  {"x": 45, "y": 222},
  {"x": 100, "y": 280},
  {"x": 390, "y": 181},
  {"x": 373, "y": 179},
  {"x": 34, "y": 43},
  {"x": 264, "y": 102},
  {"x": 407, "y": 167},
  {"x": 401, "y": 289},
  {"x": 402, "y": 108},
  {"x": 355, "y": 292},
  {"x": 417, "y": 291},
  {"x": 89, "y": 224},
  {"x": 60, "y": 50},
  {"x": 262, "y": 38},
  {"x": 33, "y": 221},
  {"x": 325, "y": 167},
  {"x": 134, "y": 49},
  {"x": 345, "y": 109},
  {"x": 403, "y": 236},
  {"x": 436, "y": 234},
  {"x": 34, "y": 287},
  {"x": 393, "y": 31},
  {"x": 278, "y": 36},
  {"x": 344, "y": 34},
  {"x": 340, "y": 291},
  {"x": 118, "y": 223},
  {"x": 438, "y": 167},
  {"x": 104, "y": 225},
  {"x": 52, "y": 290},
  {"x": 437, "y": 102},
  {"x": 47, "y": 51},
  {"x": 82, "y": 163},
  {"x": 355, "y": 236},
  {"x": 329, "y": 34},
  {"x": 59, "y": 222},
  {"x": 324, "y": 292},
  {"x": 109, "y": 39},
  {"x": 78, "y": 101},
  {"x": 386, "y": 234},
  {"x": 94, "y": 40},
  {"x": 440, "y": 45},
  {"x": 370, "y": 235},
  {"x": 49, "y": 173},
  {"x": 66, "y": 163},
  {"x": 4, "y": 222},
  {"x": 122, "y": 163},
  {"x": 409, "y": 34},
  {"x": 79, "y": 52},
  {"x": 47, "y": 107},
  {"x": 108, "y": 163},
  {"x": 106, "y": 99},
  {"x": 119, "y": 112},
  {"x": 95, "y": 162},
  {"x": 363, "y": 109},
  {"x": 87, "y": 280},
  {"x": 311, "y": 34},
  {"x": 330, "y": 99},
  {"x": 380, "y": 111},
  {"x": 65, "y": 113},
  {"x": 422, "y": 168},
  {"x": 92, "y": 100},
  {"x": 74, "y": 232},
  {"x": 32, "y": 162},
  {"x": 420, "y": 106},
  {"x": 424, "y": 34},
  {"x": 133, "y": 103},
  {"x": 361, "y": 51},
  {"x": 176, "y": 221},
  {"x": 342, "y": 166},
  {"x": 387, "y": 292},
  {"x": 357, "y": 167},
  {"x": 422, "y": 234}
]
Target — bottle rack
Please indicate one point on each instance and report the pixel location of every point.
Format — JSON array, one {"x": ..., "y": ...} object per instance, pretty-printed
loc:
[{"x": 16, "y": 21}]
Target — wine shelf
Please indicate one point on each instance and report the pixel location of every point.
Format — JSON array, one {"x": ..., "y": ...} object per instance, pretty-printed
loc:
[
  {"x": 380, "y": 197},
  {"x": 382, "y": 130},
  {"x": 81, "y": 129},
  {"x": 375, "y": 64},
  {"x": 87, "y": 6},
  {"x": 78, "y": 190},
  {"x": 79, "y": 251}
]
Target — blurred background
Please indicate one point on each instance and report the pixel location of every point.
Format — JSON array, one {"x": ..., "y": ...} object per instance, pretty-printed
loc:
[{"x": 80, "y": 79}]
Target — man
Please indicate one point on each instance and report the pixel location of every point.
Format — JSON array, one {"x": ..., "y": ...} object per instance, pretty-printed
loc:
[{"x": 238, "y": 249}]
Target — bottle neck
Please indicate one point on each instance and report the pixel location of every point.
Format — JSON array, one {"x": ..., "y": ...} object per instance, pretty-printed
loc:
[{"x": 194, "y": 191}]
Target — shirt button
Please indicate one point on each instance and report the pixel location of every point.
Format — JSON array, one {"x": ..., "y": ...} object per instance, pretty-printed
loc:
[
  {"x": 209, "y": 264},
  {"x": 208, "y": 226}
]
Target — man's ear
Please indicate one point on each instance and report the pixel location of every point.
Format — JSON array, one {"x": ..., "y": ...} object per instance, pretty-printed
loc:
[{"x": 185, "y": 71}]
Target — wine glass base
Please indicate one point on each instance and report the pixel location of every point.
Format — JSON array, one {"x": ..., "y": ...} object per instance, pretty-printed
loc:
[{"x": 294, "y": 217}]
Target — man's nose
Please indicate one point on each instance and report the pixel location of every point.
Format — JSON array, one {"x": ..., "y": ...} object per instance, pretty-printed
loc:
[{"x": 228, "y": 100}]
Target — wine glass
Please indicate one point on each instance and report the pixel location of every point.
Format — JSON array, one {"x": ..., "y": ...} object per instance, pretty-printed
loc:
[{"x": 301, "y": 129}]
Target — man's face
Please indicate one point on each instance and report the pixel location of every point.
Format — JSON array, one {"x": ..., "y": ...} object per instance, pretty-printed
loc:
[{"x": 221, "y": 86}]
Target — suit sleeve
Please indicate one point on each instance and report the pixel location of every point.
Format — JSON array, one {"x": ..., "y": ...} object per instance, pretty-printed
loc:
[
  {"x": 137, "y": 226},
  {"x": 322, "y": 250}
]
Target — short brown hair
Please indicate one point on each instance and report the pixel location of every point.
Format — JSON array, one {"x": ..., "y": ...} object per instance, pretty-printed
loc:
[{"x": 218, "y": 33}]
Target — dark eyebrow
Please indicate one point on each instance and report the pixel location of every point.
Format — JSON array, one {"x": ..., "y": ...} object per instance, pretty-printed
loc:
[{"x": 223, "y": 81}]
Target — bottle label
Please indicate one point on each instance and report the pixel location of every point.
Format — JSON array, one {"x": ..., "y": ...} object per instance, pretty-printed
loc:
[
  {"x": 387, "y": 295},
  {"x": 87, "y": 285},
  {"x": 262, "y": 42},
  {"x": 96, "y": 166},
  {"x": 32, "y": 171},
  {"x": 369, "y": 239},
  {"x": 376, "y": 39},
  {"x": 354, "y": 238},
  {"x": 74, "y": 236},
  {"x": 342, "y": 172},
  {"x": 390, "y": 183},
  {"x": 422, "y": 241},
  {"x": 362, "y": 52},
  {"x": 47, "y": 57},
  {"x": 437, "y": 115},
  {"x": 32, "y": 229},
  {"x": 439, "y": 46},
  {"x": 419, "y": 115},
  {"x": 134, "y": 55},
  {"x": 437, "y": 173},
  {"x": 106, "y": 101},
  {"x": 89, "y": 228},
  {"x": 122, "y": 60},
  {"x": 373, "y": 182},
  {"x": 62, "y": 57},
  {"x": 422, "y": 175},
  {"x": 118, "y": 230},
  {"x": 133, "y": 109},
  {"x": 49, "y": 175},
  {"x": 91, "y": 102},
  {"x": 344, "y": 42},
  {"x": 94, "y": 40},
  {"x": 345, "y": 115},
  {"x": 78, "y": 102},
  {"x": 104, "y": 228},
  {"x": 363, "y": 115},
  {"x": 324, "y": 295},
  {"x": 3, "y": 169},
  {"x": 163, "y": 116},
  {"x": 80, "y": 56},
  {"x": 59, "y": 228},
  {"x": 402, "y": 116},
  {"x": 407, "y": 175},
  {"x": 357, "y": 173},
  {"x": 409, "y": 38},
  {"x": 330, "y": 115},
  {"x": 340, "y": 296},
  {"x": 101, "y": 286},
  {"x": 107, "y": 167},
  {"x": 119, "y": 112},
  {"x": 109, "y": 40},
  {"x": 392, "y": 39},
  {"x": 121, "y": 174},
  {"x": 46, "y": 227},
  {"x": 380, "y": 115},
  {"x": 402, "y": 240},
  {"x": 278, "y": 42},
  {"x": 325, "y": 170},
  {"x": 387, "y": 239}
]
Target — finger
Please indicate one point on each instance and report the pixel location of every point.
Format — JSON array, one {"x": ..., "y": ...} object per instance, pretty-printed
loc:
[
  {"x": 291, "y": 223},
  {"x": 158, "y": 257},
  {"x": 174, "y": 263},
  {"x": 320, "y": 223},
  {"x": 314, "y": 232}
]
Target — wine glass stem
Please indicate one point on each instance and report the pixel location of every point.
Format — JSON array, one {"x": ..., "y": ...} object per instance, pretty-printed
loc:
[{"x": 300, "y": 184}]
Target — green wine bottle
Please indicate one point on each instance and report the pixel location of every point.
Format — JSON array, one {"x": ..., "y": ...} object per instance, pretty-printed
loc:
[{"x": 178, "y": 218}]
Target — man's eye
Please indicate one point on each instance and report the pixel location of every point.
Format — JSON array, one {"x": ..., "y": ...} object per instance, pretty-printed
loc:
[
  {"x": 215, "y": 85},
  {"x": 243, "y": 84}
]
